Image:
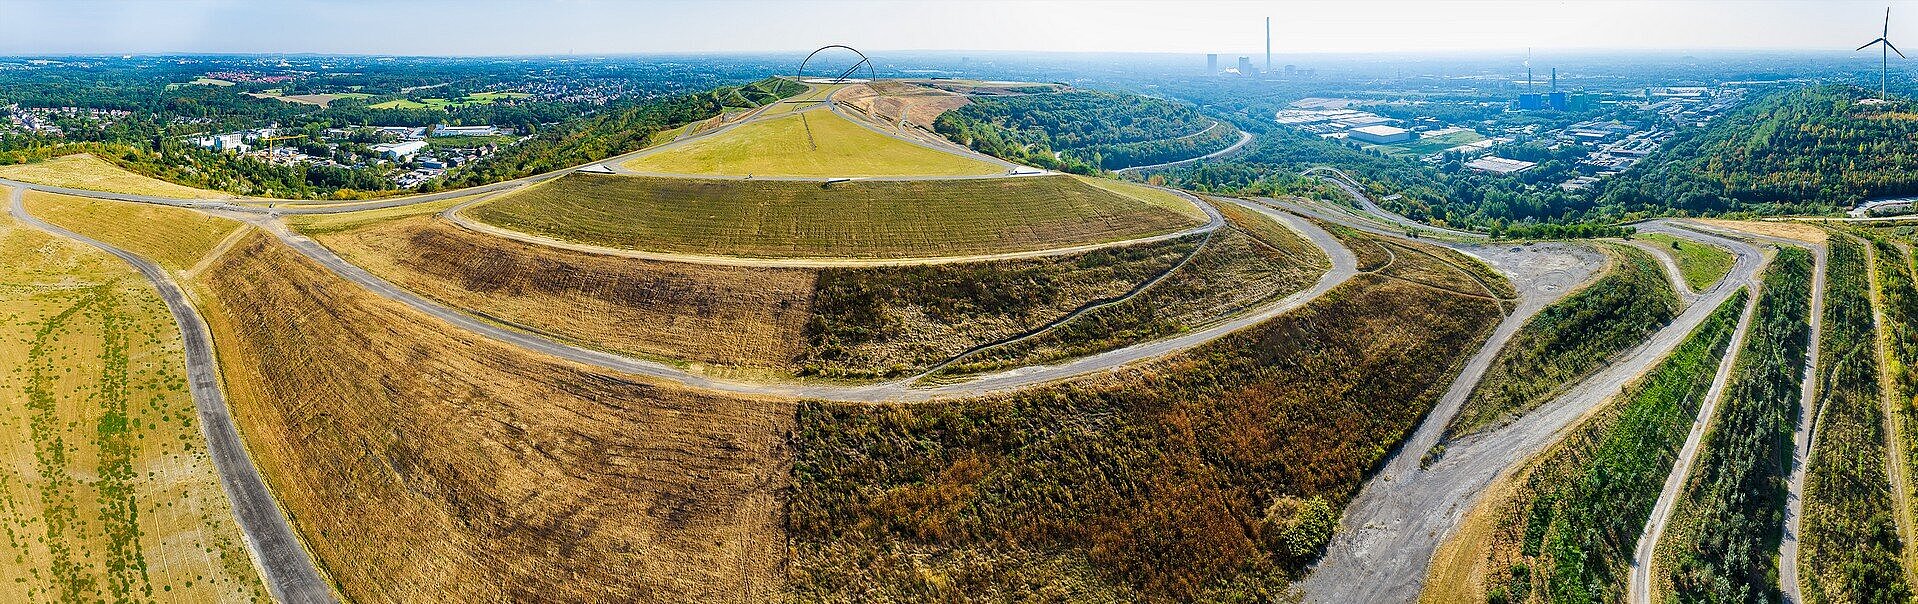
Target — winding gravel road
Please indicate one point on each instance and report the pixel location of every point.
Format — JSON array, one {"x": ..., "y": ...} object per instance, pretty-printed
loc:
[
  {"x": 1389, "y": 532},
  {"x": 285, "y": 567}
]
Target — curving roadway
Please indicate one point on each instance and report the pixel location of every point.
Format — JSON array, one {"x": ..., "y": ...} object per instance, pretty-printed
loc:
[{"x": 285, "y": 567}]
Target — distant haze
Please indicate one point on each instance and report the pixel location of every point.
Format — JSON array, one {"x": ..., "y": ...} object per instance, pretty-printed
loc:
[{"x": 1228, "y": 28}]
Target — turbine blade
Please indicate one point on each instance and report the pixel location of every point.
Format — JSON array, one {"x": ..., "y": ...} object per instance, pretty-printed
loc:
[
  {"x": 1868, "y": 44},
  {"x": 1887, "y": 22},
  {"x": 1901, "y": 54}
]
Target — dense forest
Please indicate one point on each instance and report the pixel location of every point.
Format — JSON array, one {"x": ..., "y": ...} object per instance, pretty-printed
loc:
[
  {"x": 1085, "y": 131},
  {"x": 1807, "y": 150}
]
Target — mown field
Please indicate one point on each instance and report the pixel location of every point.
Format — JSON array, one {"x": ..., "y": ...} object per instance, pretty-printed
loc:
[
  {"x": 1700, "y": 264},
  {"x": 882, "y": 219},
  {"x": 1571, "y": 339},
  {"x": 1214, "y": 475},
  {"x": 816, "y": 143},
  {"x": 1567, "y": 528},
  {"x": 425, "y": 464},
  {"x": 174, "y": 238},
  {"x": 1850, "y": 547},
  {"x": 106, "y": 490},
  {"x": 84, "y": 171},
  {"x": 1722, "y": 541}
]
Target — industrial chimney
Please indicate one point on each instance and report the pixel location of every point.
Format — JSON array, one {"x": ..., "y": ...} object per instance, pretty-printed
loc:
[{"x": 1268, "y": 45}]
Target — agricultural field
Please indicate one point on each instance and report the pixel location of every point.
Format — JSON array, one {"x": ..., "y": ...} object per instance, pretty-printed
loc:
[
  {"x": 895, "y": 321},
  {"x": 860, "y": 219},
  {"x": 707, "y": 315},
  {"x": 1701, "y": 264},
  {"x": 1231, "y": 272},
  {"x": 1722, "y": 541},
  {"x": 426, "y": 464},
  {"x": 1213, "y": 475},
  {"x": 106, "y": 490},
  {"x": 1850, "y": 544},
  {"x": 810, "y": 143},
  {"x": 1570, "y": 340},
  {"x": 318, "y": 100},
  {"x": 1566, "y": 526},
  {"x": 174, "y": 238},
  {"x": 84, "y": 171}
]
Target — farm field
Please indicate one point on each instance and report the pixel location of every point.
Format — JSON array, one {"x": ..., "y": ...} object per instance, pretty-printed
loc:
[
  {"x": 1566, "y": 527},
  {"x": 84, "y": 171},
  {"x": 1849, "y": 535},
  {"x": 1212, "y": 475},
  {"x": 477, "y": 98},
  {"x": 319, "y": 100},
  {"x": 1570, "y": 340},
  {"x": 174, "y": 238},
  {"x": 869, "y": 219},
  {"x": 458, "y": 469},
  {"x": 812, "y": 143},
  {"x": 709, "y": 315},
  {"x": 1701, "y": 264},
  {"x": 106, "y": 490},
  {"x": 1722, "y": 539}
]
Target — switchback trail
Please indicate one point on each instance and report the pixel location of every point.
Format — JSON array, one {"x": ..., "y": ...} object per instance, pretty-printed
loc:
[
  {"x": 285, "y": 567},
  {"x": 1390, "y": 530}
]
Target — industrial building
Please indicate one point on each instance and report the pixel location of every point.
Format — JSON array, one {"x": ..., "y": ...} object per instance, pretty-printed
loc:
[
  {"x": 1381, "y": 134},
  {"x": 1245, "y": 66},
  {"x": 444, "y": 130},
  {"x": 1212, "y": 64},
  {"x": 397, "y": 151},
  {"x": 1499, "y": 165}
]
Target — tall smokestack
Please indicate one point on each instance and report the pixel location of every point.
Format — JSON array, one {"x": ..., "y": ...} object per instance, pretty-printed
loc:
[
  {"x": 1268, "y": 45},
  {"x": 1554, "y": 79}
]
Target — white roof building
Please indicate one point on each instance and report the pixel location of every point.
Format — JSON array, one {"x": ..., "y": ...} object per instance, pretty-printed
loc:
[{"x": 399, "y": 150}]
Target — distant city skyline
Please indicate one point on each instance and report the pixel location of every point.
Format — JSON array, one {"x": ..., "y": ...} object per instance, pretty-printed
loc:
[{"x": 546, "y": 27}]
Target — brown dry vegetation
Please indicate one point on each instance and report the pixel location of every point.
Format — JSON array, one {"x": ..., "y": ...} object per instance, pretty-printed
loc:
[
  {"x": 422, "y": 463},
  {"x": 1213, "y": 475},
  {"x": 708, "y": 314},
  {"x": 891, "y": 100}
]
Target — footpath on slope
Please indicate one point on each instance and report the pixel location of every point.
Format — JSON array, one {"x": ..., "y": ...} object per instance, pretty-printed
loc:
[
  {"x": 1639, "y": 589},
  {"x": 1888, "y": 398},
  {"x": 1389, "y": 532},
  {"x": 285, "y": 565}
]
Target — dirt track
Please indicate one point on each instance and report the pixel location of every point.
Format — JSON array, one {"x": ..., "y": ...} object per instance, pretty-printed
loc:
[{"x": 1390, "y": 531}]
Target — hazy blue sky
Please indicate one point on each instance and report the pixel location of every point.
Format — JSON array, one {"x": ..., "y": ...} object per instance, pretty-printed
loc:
[{"x": 483, "y": 27}]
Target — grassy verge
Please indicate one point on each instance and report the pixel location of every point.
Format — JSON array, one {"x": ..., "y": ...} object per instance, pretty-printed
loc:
[
  {"x": 1899, "y": 299},
  {"x": 883, "y": 219},
  {"x": 1722, "y": 542},
  {"x": 1567, "y": 531},
  {"x": 459, "y": 469},
  {"x": 174, "y": 238},
  {"x": 1571, "y": 339},
  {"x": 106, "y": 490},
  {"x": 1700, "y": 264},
  {"x": 1213, "y": 475},
  {"x": 1849, "y": 538},
  {"x": 84, "y": 171}
]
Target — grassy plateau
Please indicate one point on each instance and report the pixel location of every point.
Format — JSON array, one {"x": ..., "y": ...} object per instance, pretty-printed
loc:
[{"x": 814, "y": 142}]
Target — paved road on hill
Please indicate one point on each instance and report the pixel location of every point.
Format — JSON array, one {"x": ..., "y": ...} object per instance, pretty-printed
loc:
[
  {"x": 285, "y": 567},
  {"x": 454, "y": 214},
  {"x": 1350, "y": 185},
  {"x": 1344, "y": 266},
  {"x": 1244, "y": 137},
  {"x": 1672, "y": 271},
  {"x": 1389, "y": 532}
]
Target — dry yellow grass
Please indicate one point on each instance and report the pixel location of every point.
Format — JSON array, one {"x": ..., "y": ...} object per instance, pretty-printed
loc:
[
  {"x": 316, "y": 224},
  {"x": 707, "y": 314},
  {"x": 1152, "y": 196},
  {"x": 106, "y": 490},
  {"x": 174, "y": 238},
  {"x": 889, "y": 101},
  {"x": 425, "y": 464},
  {"x": 1463, "y": 561},
  {"x": 84, "y": 171},
  {"x": 1788, "y": 230},
  {"x": 809, "y": 143}
]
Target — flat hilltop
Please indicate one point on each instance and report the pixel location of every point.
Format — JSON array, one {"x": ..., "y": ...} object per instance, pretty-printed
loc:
[{"x": 810, "y": 143}]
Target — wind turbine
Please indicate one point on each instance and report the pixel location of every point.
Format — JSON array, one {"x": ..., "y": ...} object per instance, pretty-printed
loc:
[{"x": 1884, "y": 53}]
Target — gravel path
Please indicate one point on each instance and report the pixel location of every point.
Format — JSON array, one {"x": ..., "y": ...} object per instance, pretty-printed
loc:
[{"x": 285, "y": 567}]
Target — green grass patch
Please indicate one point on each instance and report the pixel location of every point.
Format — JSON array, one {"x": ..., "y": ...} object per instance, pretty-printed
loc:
[
  {"x": 1421, "y": 147},
  {"x": 1570, "y": 340},
  {"x": 809, "y": 143},
  {"x": 1700, "y": 264},
  {"x": 874, "y": 219}
]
